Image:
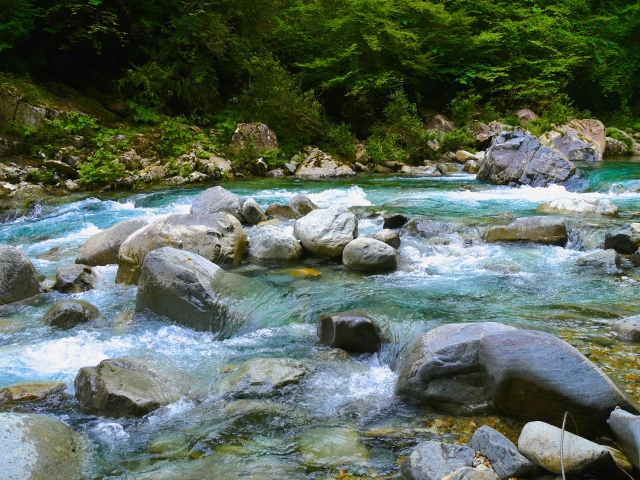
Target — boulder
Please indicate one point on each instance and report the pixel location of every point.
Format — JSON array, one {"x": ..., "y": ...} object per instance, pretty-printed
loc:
[
  {"x": 302, "y": 205},
  {"x": 441, "y": 367},
  {"x": 397, "y": 220},
  {"x": 626, "y": 428},
  {"x": 62, "y": 167},
  {"x": 607, "y": 260},
  {"x": 369, "y": 254},
  {"x": 350, "y": 332},
  {"x": 525, "y": 116},
  {"x": 252, "y": 212},
  {"x": 518, "y": 158},
  {"x": 67, "y": 314},
  {"x": 448, "y": 168},
  {"x": 18, "y": 276},
  {"x": 218, "y": 237},
  {"x": 75, "y": 278},
  {"x": 258, "y": 135},
  {"x": 535, "y": 375},
  {"x": 540, "y": 443},
  {"x": 484, "y": 134},
  {"x": 435, "y": 460},
  {"x": 615, "y": 148},
  {"x": 627, "y": 329},
  {"x": 39, "y": 447},
  {"x": 506, "y": 460},
  {"x": 568, "y": 205},
  {"x": 271, "y": 245},
  {"x": 321, "y": 165},
  {"x": 103, "y": 247},
  {"x": 322, "y": 447},
  {"x": 217, "y": 200},
  {"x": 472, "y": 167},
  {"x": 262, "y": 377},
  {"x": 624, "y": 240},
  {"x": 128, "y": 387},
  {"x": 462, "y": 156},
  {"x": 468, "y": 473},
  {"x": 30, "y": 392},
  {"x": 325, "y": 233},
  {"x": 579, "y": 140},
  {"x": 389, "y": 237},
  {"x": 545, "y": 230},
  {"x": 441, "y": 124},
  {"x": 29, "y": 115},
  {"x": 285, "y": 212}
]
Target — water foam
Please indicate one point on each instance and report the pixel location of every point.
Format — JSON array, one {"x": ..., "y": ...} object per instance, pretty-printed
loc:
[{"x": 352, "y": 197}]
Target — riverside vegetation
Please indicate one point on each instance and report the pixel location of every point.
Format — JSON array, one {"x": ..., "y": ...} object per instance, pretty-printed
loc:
[{"x": 304, "y": 240}]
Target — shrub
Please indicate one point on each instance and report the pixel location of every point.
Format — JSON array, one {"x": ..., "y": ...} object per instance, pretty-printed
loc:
[
  {"x": 459, "y": 139},
  {"x": 44, "y": 176},
  {"x": 101, "y": 168},
  {"x": 615, "y": 133}
]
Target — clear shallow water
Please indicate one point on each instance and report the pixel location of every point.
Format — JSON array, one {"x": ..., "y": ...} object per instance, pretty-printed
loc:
[{"x": 440, "y": 280}]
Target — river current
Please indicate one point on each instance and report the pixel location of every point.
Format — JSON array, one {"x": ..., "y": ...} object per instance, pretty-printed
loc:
[{"x": 343, "y": 418}]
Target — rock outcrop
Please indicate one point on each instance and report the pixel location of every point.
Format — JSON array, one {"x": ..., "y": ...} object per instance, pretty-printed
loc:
[
  {"x": 370, "y": 255},
  {"x": 18, "y": 276},
  {"x": 544, "y": 230},
  {"x": 103, "y": 247},
  {"x": 325, "y": 233},
  {"x": 518, "y": 158},
  {"x": 320, "y": 165},
  {"x": 218, "y": 237}
]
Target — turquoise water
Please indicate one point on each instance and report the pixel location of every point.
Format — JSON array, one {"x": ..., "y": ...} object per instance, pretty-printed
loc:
[{"x": 454, "y": 277}]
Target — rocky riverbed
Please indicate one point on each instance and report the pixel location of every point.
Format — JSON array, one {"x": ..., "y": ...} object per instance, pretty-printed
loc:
[{"x": 369, "y": 327}]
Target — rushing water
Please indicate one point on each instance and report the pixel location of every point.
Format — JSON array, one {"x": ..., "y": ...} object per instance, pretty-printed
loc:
[{"x": 345, "y": 406}]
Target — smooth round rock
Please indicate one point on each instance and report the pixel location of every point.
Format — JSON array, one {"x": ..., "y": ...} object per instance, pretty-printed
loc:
[
  {"x": 218, "y": 200},
  {"x": 370, "y": 255},
  {"x": 389, "y": 237},
  {"x": 271, "y": 245},
  {"x": 103, "y": 247},
  {"x": 74, "y": 278},
  {"x": 325, "y": 233},
  {"x": 18, "y": 276},
  {"x": 67, "y": 314},
  {"x": 302, "y": 205}
]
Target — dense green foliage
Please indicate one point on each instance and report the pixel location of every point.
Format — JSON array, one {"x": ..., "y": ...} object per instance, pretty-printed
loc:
[{"x": 323, "y": 71}]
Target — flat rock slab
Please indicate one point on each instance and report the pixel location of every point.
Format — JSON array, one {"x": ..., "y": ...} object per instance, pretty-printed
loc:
[
  {"x": 435, "y": 460},
  {"x": 506, "y": 460},
  {"x": 544, "y": 230},
  {"x": 332, "y": 447},
  {"x": 30, "y": 391},
  {"x": 261, "y": 377}
]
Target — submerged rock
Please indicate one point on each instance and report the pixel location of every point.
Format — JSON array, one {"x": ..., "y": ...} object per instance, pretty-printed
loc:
[
  {"x": 370, "y": 255},
  {"x": 218, "y": 237},
  {"x": 627, "y": 329},
  {"x": 302, "y": 205},
  {"x": 325, "y": 233},
  {"x": 39, "y": 447},
  {"x": 468, "y": 473},
  {"x": 353, "y": 333},
  {"x": 389, "y": 237},
  {"x": 271, "y": 245},
  {"x": 74, "y": 278},
  {"x": 568, "y": 205},
  {"x": 518, "y": 158},
  {"x": 626, "y": 428},
  {"x": 18, "y": 276},
  {"x": 624, "y": 240},
  {"x": 435, "y": 460},
  {"x": 30, "y": 391},
  {"x": 607, "y": 260},
  {"x": 128, "y": 387},
  {"x": 252, "y": 212},
  {"x": 321, "y": 165},
  {"x": 218, "y": 200},
  {"x": 540, "y": 442},
  {"x": 67, "y": 314},
  {"x": 103, "y": 247},
  {"x": 332, "y": 447},
  {"x": 506, "y": 460},
  {"x": 545, "y": 230},
  {"x": 262, "y": 377}
]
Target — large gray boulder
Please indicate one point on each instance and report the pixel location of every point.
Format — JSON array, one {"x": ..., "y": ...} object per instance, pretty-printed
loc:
[
  {"x": 103, "y": 247},
  {"x": 624, "y": 240},
  {"x": 218, "y": 200},
  {"x": 536, "y": 376},
  {"x": 606, "y": 260},
  {"x": 128, "y": 387},
  {"x": 627, "y": 329},
  {"x": 39, "y": 447},
  {"x": 18, "y": 276},
  {"x": 441, "y": 367},
  {"x": 540, "y": 443},
  {"x": 321, "y": 165},
  {"x": 218, "y": 237},
  {"x": 74, "y": 278},
  {"x": 325, "y": 232},
  {"x": 545, "y": 230},
  {"x": 579, "y": 140},
  {"x": 254, "y": 135},
  {"x": 67, "y": 314},
  {"x": 302, "y": 204},
  {"x": 350, "y": 332},
  {"x": 504, "y": 456},
  {"x": 626, "y": 428},
  {"x": 270, "y": 245},
  {"x": 262, "y": 377},
  {"x": 518, "y": 158},
  {"x": 370, "y": 255},
  {"x": 435, "y": 460},
  {"x": 252, "y": 212}
]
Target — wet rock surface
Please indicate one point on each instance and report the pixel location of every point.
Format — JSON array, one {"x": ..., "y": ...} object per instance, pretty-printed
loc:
[
  {"x": 389, "y": 237},
  {"x": 262, "y": 377},
  {"x": 30, "y": 391},
  {"x": 370, "y": 255},
  {"x": 353, "y": 333},
  {"x": 75, "y": 278},
  {"x": 67, "y": 314},
  {"x": 545, "y": 230},
  {"x": 18, "y": 276},
  {"x": 625, "y": 239},
  {"x": 103, "y": 247},
  {"x": 435, "y": 460},
  {"x": 627, "y": 329},
  {"x": 607, "y": 260}
]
